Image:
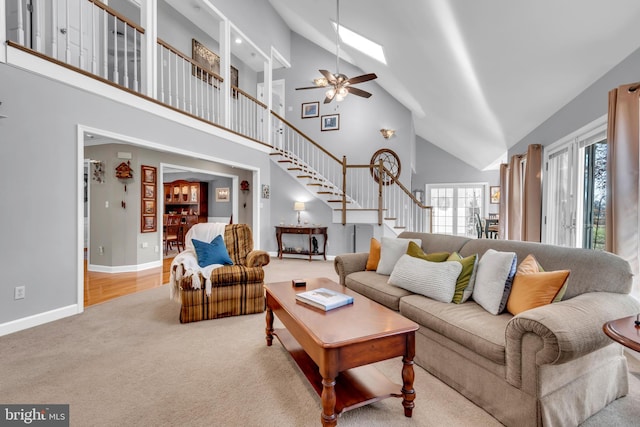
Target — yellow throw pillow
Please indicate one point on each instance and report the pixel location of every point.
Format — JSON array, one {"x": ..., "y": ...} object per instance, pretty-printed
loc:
[
  {"x": 466, "y": 279},
  {"x": 531, "y": 265},
  {"x": 416, "y": 251},
  {"x": 535, "y": 289},
  {"x": 374, "y": 255}
]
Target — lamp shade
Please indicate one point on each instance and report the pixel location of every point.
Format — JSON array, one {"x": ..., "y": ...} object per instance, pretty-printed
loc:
[{"x": 298, "y": 206}]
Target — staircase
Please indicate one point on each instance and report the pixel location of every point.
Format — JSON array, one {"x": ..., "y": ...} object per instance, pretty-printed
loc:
[{"x": 350, "y": 190}]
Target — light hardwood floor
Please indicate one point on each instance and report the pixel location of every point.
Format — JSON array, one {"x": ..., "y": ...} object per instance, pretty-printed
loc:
[{"x": 101, "y": 287}]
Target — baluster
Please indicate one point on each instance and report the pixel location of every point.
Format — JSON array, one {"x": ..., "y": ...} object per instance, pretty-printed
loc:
[
  {"x": 38, "y": 24},
  {"x": 94, "y": 59},
  {"x": 21, "y": 31},
  {"x": 176, "y": 78},
  {"x": 105, "y": 44},
  {"x": 67, "y": 49},
  {"x": 81, "y": 56},
  {"x": 54, "y": 29},
  {"x": 135, "y": 60},
  {"x": 116, "y": 75},
  {"x": 161, "y": 69},
  {"x": 184, "y": 88},
  {"x": 125, "y": 59}
]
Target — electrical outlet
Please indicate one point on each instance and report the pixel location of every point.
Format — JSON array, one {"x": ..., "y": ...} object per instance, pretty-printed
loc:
[
  {"x": 19, "y": 292},
  {"x": 101, "y": 250}
]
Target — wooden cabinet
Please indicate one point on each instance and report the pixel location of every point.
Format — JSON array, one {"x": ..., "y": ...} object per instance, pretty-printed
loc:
[{"x": 187, "y": 198}]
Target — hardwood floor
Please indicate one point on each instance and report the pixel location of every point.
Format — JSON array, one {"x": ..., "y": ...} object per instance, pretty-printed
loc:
[{"x": 101, "y": 287}]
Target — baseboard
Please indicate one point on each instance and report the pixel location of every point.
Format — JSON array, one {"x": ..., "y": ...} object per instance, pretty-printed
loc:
[
  {"x": 38, "y": 319},
  {"x": 295, "y": 256},
  {"x": 123, "y": 268}
]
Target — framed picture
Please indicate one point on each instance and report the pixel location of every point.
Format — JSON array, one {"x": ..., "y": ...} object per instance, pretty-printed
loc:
[
  {"x": 310, "y": 109},
  {"x": 265, "y": 191},
  {"x": 148, "y": 223},
  {"x": 148, "y": 174},
  {"x": 494, "y": 195},
  {"x": 222, "y": 194},
  {"x": 208, "y": 62},
  {"x": 330, "y": 122},
  {"x": 149, "y": 191},
  {"x": 149, "y": 207}
]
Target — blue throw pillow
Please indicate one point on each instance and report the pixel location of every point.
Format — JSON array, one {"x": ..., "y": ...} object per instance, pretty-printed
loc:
[{"x": 212, "y": 253}]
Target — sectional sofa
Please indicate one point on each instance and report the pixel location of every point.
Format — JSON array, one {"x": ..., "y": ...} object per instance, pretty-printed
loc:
[{"x": 551, "y": 365}]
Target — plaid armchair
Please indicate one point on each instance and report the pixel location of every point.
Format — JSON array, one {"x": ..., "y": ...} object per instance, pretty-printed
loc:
[{"x": 229, "y": 290}]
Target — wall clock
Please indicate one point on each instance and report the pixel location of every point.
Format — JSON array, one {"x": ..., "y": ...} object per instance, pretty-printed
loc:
[{"x": 390, "y": 160}]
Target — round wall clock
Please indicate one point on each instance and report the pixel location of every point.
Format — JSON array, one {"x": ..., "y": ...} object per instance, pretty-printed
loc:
[{"x": 390, "y": 160}]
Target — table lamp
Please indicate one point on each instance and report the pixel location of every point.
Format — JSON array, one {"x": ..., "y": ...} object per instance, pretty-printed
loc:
[{"x": 299, "y": 207}]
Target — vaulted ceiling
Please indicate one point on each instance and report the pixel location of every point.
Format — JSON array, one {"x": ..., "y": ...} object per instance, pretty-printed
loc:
[{"x": 478, "y": 76}]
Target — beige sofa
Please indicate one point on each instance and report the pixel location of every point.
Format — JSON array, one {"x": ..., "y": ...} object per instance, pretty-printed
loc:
[{"x": 550, "y": 366}]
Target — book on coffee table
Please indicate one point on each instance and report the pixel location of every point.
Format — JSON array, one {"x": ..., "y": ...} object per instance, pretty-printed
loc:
[{"x": 324, "y": 299}]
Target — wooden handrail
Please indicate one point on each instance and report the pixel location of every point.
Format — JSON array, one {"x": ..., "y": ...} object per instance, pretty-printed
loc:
[
  {"x": 186, "y": 58},
  {"x": 273, "y": 113},
  {"x": 237, "y": 89},
  {"x": 117, "y": 14}
]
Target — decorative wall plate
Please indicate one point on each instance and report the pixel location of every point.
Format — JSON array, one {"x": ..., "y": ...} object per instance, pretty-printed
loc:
[{"x": 390, "y": 160}]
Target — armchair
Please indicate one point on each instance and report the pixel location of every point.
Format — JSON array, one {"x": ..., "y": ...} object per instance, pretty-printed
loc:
[{"x": 219, "y": 291}]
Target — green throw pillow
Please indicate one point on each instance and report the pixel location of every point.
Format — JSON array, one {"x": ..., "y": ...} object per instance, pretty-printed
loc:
[
  {"x": 466, "y": 279},
  {"x": 416, "y": 251}
]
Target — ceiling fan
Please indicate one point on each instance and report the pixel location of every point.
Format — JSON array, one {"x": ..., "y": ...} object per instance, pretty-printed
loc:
[{"x": 340, "y": 85}]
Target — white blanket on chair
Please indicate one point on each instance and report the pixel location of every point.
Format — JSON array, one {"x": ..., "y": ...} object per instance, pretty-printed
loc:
[{"x": 187, "y": 260}]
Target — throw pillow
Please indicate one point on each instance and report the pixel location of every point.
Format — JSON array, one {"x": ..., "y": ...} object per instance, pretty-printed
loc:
[
  {"x": 531, "y": 265},
  {"x": 467, "y": 277},
  {"x": 374, "y": 255},
  {"x": 416, "y": 251},
  {"x": 212, "y": 253},
  {"x": 531, "y": 290},
  {"x": 391, "y": 249},
  {"x": 494, "y": 279},
  {"x": 436, "y": 280}
]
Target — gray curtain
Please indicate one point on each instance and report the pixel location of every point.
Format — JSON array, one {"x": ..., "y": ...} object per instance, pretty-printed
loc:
[
  {"x": 623, "y": 164},
  {"x": 521, "y": 203}
]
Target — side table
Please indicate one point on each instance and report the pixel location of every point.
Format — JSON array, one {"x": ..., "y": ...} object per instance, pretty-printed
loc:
[
  {"x": 309, "y": 231},
  {"x": 624, "y": 331}
]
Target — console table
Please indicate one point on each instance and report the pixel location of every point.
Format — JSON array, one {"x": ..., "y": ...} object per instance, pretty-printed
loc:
[{"x": 309, "y": 231}]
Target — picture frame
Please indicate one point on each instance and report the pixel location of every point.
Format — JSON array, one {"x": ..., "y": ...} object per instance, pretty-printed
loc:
[
  {"x": 222, "y": 194},
  {"x": 494, "y": 195},
  {"x": 310, "y": 110},
  {"x": 149, "y": 191},
  {"x": 265, "y": 191},
  {"x": 330, "y": 122},
  {"x": 149, "y": 207},
  {"x": 206, "y": 60},
  {"x": 148, "y": 174},
  {"x": 148, "y": 223}
]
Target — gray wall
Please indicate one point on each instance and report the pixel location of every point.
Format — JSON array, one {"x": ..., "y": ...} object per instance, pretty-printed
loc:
[
  {"x": 591, "y": 104},
  {"x": 42, "y": 162}
]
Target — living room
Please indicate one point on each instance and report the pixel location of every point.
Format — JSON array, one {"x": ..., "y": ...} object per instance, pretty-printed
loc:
[{"x": 68, "y": 109}]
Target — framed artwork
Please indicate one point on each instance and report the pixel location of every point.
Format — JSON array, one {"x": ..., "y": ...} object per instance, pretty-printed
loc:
[
  {"x": 310, "y": 109},
  {"x": 208, "y": 61},
  {"x": 330, "y": 122},
  {"x": 149, "y": 191},
  {"x": 148, "y": 174},
  {"x": 222, "y": 194},
  {"x": 148, "y": 203},
  {"x": 494, "y": 195},
  {"x": 234, "y": 76},
  {"x": 265, "y": 191}
]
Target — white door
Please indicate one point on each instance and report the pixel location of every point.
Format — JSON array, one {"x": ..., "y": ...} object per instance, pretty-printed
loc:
[{"x": 561, "y": 218}]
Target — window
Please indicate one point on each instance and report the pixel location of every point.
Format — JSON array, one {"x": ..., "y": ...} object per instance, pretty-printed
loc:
[
  {"x": 575, "y": 190},
  {"x": 457, "y": 208}
]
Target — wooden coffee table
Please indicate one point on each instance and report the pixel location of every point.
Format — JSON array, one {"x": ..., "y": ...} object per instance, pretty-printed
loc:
[{"x": 333, "y": 348}]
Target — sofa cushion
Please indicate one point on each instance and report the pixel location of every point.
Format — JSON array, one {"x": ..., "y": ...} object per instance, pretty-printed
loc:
[
  {"x": 374, "y": 286},
  {"x": 435, "y": 280},
  {"x": 467, "y": 324},
  {"x": 391, "y": 250},
  {"x": 493, "y": 280},
  {"x": 467, "y": 277},
  {"x": 374, "y": 255}
]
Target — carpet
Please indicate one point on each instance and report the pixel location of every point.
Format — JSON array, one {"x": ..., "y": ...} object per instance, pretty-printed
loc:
[{"x": 130, "y": 362}]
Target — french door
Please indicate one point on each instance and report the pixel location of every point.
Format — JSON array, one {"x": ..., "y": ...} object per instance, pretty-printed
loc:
[
  {"x": 575, "y": 189},
  {"x": 457, "y": 207}
]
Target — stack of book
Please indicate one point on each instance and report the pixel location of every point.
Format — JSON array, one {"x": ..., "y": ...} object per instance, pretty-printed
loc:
[{"x": 324, "y": 299}]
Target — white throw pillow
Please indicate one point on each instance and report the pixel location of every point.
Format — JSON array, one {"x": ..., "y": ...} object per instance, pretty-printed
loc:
[
  {"x": 494, "y": 279},
  {"x": 391, "y": 249},
  {"x": 436, "y": 280}
]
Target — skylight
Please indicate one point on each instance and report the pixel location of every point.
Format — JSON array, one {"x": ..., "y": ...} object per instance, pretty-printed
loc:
[{"x": 361, "y": 43}]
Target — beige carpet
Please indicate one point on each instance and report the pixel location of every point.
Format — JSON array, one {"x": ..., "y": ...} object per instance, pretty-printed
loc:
[{"x": 130, "y": 362}]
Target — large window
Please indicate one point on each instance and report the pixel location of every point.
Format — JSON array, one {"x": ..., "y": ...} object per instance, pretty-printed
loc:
[
  {"x": 457, "y": 208},
  {"x": 575, "y": 190}
]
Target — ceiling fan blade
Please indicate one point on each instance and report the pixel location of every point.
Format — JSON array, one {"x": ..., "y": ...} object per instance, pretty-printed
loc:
[
  {"x": 327, "y": 75},
  {"x": 362, "y": 78},
  {"x": 310, "y": 87},
  {"x": 359, "y": 92}
]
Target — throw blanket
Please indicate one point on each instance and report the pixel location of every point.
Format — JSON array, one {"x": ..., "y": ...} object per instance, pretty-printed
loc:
[{"x": 186, "y": 262}]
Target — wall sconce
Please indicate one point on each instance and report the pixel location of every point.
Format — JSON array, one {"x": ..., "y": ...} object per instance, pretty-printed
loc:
[
  {"x": 320, "y": 82},
  {"x": 387, "y": 133},
  {"x": 299, "y": 207}
]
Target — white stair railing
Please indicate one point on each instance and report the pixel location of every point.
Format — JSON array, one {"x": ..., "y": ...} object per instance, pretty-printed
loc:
[{"x": 247, "y": 115}]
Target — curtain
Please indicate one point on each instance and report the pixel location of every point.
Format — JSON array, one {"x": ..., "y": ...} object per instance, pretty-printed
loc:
[
  {"x": 623, "y": 164},
  {"x": 521, "y": 206}
]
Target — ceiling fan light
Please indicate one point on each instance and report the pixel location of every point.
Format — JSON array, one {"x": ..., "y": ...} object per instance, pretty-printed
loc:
[
  {"x": 331, "y": 93},
  {"x": 320, "y": 82},
  {"x": 341, "y": 93}
]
